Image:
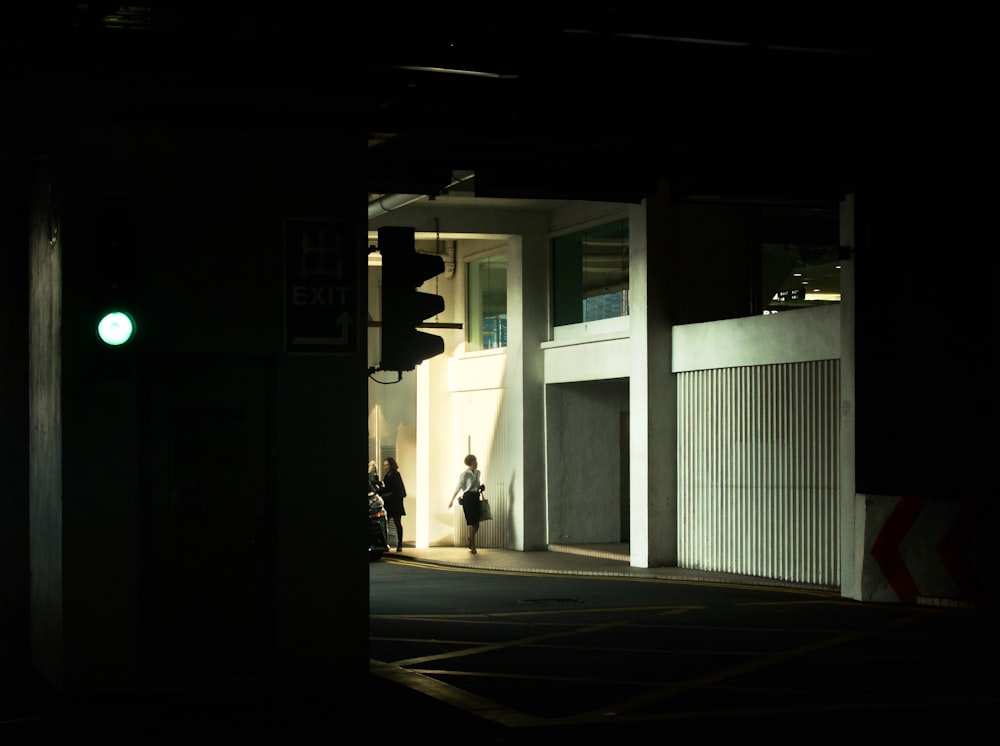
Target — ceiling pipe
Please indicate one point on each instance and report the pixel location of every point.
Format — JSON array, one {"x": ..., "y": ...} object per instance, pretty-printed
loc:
[{"x": 389, "y": 202}]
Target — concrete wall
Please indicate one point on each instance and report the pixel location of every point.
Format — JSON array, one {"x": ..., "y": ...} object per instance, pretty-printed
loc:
[
  {"x": 794, "y": 337},
  {"x": 188, "y": 522},
  {"x": 488, "y": 402},
  {"x": 46, "y": 561},
  {"x": 933, "y": 552},
  {"x": 584, "y": 447}
]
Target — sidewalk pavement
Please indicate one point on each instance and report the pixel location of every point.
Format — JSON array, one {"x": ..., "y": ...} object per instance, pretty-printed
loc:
[{"x": 612, "y": 560}]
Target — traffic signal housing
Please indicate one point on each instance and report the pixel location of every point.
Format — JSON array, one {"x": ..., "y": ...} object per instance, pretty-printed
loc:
[
  {"x": 404, "y": 308},
  {"x": 113, "y": 280}
]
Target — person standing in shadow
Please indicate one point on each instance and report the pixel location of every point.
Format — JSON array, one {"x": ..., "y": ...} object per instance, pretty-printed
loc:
[
  {"x": 392, "y": 494},
  {"x": 468, "y": 491}
]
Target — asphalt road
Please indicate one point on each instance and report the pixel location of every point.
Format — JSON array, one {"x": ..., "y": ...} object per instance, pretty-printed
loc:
[{"x": 519, "y": 657}]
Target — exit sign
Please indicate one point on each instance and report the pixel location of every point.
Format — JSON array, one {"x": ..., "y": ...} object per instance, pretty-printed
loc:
[{"x": 322, "y": 301}]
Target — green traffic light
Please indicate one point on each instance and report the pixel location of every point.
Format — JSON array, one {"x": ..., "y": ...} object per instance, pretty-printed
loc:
[{"x": 116, "y": 328}]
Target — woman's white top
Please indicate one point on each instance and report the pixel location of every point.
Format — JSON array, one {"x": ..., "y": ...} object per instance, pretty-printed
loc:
[{"x": 468, "y": 480}]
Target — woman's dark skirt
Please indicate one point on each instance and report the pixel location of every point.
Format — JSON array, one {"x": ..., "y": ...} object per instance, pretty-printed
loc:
[{"x": 470, "y": 504}]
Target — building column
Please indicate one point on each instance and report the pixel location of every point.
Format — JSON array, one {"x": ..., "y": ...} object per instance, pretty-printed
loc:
[{"x": 652, "y": 387}]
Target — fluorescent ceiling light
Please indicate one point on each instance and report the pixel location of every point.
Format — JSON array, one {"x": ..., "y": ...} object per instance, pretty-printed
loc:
[
  {"x": 453, "y": 71},
  {"x": 432, "y": 235}
]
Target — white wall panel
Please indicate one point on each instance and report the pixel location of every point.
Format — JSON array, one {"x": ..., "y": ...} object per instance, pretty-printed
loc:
[{"x": 482, "y": 428}]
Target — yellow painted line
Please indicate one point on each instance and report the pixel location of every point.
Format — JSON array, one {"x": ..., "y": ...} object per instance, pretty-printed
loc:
[
  {"x": 490, "y": 615},
  {"x": 423, "y": 681},
  {"x": 520, "y": 642},
  {"x": 493, "y": 570},
  {"x": 662, "y": 693},
  {"x": 455, "y": 697}
]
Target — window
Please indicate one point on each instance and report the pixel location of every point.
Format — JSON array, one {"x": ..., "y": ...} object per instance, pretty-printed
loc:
[
  {"x": 487, "y": 303},
  {"x": 590, "y": 270},
  {"x": 802, "y": 276},
  {"x": 800, "y": 265}
]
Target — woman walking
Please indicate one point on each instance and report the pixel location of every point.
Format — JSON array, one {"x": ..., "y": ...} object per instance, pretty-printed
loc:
[{"x": 468, "y": 490}]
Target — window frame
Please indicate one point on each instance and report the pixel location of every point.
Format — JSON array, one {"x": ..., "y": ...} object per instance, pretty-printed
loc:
[
  {"x": 474, "y": 305},
  {"x": 569, "y": 291}
]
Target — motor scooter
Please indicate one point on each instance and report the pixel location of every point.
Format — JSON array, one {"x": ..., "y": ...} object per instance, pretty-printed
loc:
[{"x": 378, "y": 524}]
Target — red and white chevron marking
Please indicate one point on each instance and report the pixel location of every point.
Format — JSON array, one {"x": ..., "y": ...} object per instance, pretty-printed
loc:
[{"x": 926, "y": 549}]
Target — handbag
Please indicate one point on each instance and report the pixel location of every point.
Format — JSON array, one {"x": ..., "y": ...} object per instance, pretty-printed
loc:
[{"x": 485, "y": 512}]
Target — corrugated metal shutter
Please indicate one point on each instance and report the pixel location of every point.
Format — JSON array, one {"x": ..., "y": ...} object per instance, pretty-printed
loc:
[{"x": 758, "y": 476}]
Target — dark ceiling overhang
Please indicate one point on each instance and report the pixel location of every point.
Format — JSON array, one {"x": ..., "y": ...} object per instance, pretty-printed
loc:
[{"x": 596, "y": 104}]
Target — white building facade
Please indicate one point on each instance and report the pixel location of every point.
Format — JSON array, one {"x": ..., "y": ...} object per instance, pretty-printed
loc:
[{"x": 700, "y": 427}]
